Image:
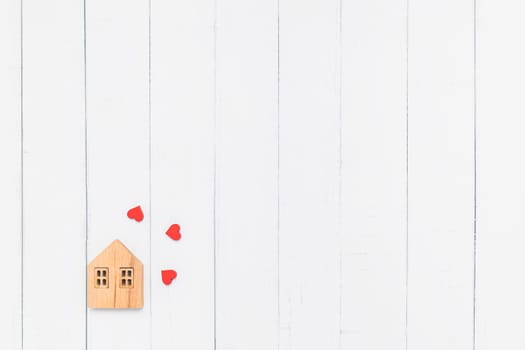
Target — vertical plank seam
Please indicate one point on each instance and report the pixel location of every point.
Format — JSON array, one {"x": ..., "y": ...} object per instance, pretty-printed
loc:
[
  {"x": 85, "y": 172},
  {"x": 340, "y": 168},
  {"x": 214, "y": 233},
  {"x": 407, "y": 168},
  {"x": 278, "y": 174},
  {"x": 149, "y": 181},
  {"x": 22, "y": 173},
  {"x": 475, "y": 178}
]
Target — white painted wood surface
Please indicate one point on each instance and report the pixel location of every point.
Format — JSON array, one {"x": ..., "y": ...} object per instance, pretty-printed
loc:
[
  {"x": 501, "y": 170},
  {"x": 374, "y": 175},
  {"x": 11, "y": 175},
  {"x": 310, "y": 288},
  {"x": 246, "y": 174},
  {"x": 54, "y": 235},
  {"x": 182, "y": 172},
  {"x": 441, "y": 175},
  {"x": 323, "y": 158},
  {"x": 118, "y": 177}
]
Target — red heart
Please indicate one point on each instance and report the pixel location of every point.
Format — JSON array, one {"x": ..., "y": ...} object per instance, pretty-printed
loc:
[
  {"x": 168, "y": 276},
  {"x": 174, "y": 232},
  {"x": 136, "y": 214}
]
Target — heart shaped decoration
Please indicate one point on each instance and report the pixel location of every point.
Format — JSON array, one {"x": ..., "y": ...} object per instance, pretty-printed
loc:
[
  {"x": 174, "y": 232},
  {"x": 136, "y": 214},
  {"x": 168, "y": 276}
]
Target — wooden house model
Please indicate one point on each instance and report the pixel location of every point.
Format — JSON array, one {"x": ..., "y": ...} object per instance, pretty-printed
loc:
[{"x": 115, "y": 279}]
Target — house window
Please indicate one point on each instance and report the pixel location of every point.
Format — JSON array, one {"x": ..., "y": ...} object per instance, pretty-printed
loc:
[
  {"x": 126, "y": 277},
  {"x": 101, "y": 277}
]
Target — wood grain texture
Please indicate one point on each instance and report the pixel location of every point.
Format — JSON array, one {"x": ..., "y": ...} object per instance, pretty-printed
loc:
[
  {"x": 182, "y": 183},
  {"x": 374, "y": 179},
  {"x": 11, "y": 175},
  {"x": 117, "y": 43},
  {"x": 310, "y": 280},
  {"x": 113, "y": 293},
  {"x": 246, "y": 175},
  {"x": 441, "y": 175},
  {"x": 54, "y": 212},
  {"x": 501, "y": 172}
]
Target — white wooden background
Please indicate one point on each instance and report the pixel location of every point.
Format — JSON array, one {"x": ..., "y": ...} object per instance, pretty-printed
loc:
[{"x": 348, "y": 174}]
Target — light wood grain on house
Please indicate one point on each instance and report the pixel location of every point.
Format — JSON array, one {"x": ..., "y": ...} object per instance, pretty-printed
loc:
[{"x": 109, "y": 289}]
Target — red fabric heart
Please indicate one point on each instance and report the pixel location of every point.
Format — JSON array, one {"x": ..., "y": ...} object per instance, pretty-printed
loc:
[
  {"x": 136, "y": 214},
  {"x": 168, "y": 276},
  {"x": 174, "y": 232}
]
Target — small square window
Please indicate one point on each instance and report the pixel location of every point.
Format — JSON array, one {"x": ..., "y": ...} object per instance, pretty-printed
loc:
[
  {"x": 126, "y": 280},
  {"x": 101, "y": 277}
]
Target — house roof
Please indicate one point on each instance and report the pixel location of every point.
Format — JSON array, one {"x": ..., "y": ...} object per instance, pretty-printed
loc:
[
  {"x": 116, "y": 246},
  {"x": 118, "y": 243}
]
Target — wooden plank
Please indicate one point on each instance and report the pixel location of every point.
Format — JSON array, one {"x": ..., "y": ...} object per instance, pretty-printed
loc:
[
  {"x": 501, "y": 169},
  {"x": 441, "y": 175},
  {"x": 117, "y": 57},
  {"x": 374, "y": 179},
  {"x": 54, "y": 176},
  {"x": 182, "y": 136},
  {"x": 246, "y": 184},
  {"x": 11, "y": 175},
  {"x": 310, "y": 287}
]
